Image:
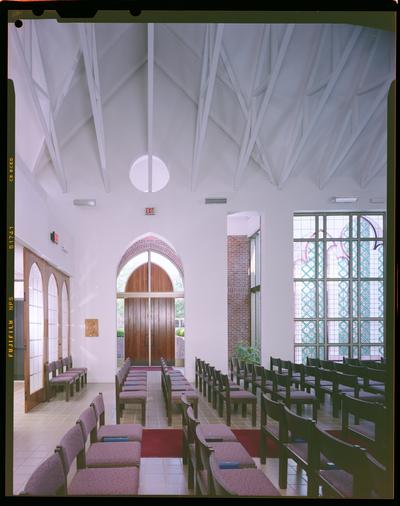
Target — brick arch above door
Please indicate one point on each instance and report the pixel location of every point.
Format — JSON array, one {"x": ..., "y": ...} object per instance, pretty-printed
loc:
[{"x": 154, "y": 244}]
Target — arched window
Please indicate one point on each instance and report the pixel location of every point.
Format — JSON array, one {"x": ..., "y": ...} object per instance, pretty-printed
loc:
[
  {"x": 65, "y": 320},
  {"x": 53, "y": 319},
  {"x": 36, "y": 327}
]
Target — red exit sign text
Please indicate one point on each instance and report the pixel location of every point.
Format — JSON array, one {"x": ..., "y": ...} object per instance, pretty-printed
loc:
[{"x": 150, "y": 211}]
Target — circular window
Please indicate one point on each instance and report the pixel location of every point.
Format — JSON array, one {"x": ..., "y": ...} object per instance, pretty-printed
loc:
[{"x": 139, "y": 174}]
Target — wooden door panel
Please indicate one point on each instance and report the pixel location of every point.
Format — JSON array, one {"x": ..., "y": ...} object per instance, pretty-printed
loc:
[
  {"x": 160, "y": 281},
  {"x": 137, "y": 330},
  {"x": 162, "y": 330},
  {"x": 138, "y": 280}
]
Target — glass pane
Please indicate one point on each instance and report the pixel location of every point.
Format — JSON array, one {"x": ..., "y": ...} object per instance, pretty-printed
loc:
[
  {"x": 338, "y": 331},
  {"x": 258, "y": 321},
  {"x": 253, "y": 318},
  {"x": 371, "y": 352},
  {"x": 371, "y": 226},
  {"x": 303, "y": 227},
  {"x": 337, "y": 226},
  {"x": 65, "y": 320},
  {"x": 258, "y": 258},
  {"x": 371, "y": 259},
  {"x": 337, "y": 352},
  {"x": 52, "y": 320},
  {"x": 170, "y": 269},
  {"x": 252, "y": 262},
  {"x": 371, "y": 298},
  {"x": 305, "y": 299},
  {"x": 321, "y": 232},
  {"x": 321, "y": 354},
  {"x": 355, "y": 226},
  {"x": 354, "y": 352},
  {"x": 355, "y": 332},
  {"x": 36, "y": 328},
  {"x": 354, "y": 299},
  {"x": 337, "y": 259},
  {"x": 321, "y": 259},
  {"x": 321, "y": 334},
  {"x": 371, "y": 332},
  {"x": 321, "y": 299},
  {"x": 338, "y": 298},
  {"x": 354, "y": 259},
  {"x": 304, "y": 259},
  {"x": 128, "y": 268},
  {"x": 305, "y": 332},
  {"x": 302, "y": 352}
]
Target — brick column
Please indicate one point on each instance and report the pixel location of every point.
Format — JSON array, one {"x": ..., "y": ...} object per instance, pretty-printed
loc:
[{"x": 238, "y": 290}]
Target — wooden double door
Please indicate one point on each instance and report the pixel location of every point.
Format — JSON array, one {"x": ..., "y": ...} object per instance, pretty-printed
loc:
[{"x": 149, "y": 319}]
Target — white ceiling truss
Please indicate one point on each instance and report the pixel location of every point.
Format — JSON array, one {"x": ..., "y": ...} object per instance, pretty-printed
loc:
[
  {"x": 88, "y": 44},
  {"x": 43, "y": 103},
  {"x": 269, "y": 115}
]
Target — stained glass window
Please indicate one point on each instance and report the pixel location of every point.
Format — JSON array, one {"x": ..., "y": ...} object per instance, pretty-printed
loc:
[{"x": 338, "y": 285}]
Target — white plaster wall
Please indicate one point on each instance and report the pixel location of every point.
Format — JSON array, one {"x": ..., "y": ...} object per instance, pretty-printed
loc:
[{"x": 36, "y": 216}]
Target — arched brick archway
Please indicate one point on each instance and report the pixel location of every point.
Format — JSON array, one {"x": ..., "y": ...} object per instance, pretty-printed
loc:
[{"x": 152, "y": 243}]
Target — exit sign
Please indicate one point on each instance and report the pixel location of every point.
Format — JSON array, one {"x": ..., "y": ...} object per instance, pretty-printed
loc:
[{"x": 149, "y": 211}]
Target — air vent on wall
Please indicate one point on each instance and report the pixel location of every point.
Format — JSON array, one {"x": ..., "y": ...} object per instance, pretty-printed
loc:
[
  {"x": 344, "y": 200},
  {"x": 85, "y": 202},
  {"x": 216, "y": 200}
]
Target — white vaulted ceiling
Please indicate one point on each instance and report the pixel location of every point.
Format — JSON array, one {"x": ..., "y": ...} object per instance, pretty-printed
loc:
[{"x": 289, "y": 100}]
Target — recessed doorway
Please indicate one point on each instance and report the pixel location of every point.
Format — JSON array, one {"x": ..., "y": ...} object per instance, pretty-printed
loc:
[{"x": 149, "y": 299}]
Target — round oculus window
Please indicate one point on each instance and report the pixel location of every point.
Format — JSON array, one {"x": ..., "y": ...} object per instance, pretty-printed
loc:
[{"x": 139, "y": 174}]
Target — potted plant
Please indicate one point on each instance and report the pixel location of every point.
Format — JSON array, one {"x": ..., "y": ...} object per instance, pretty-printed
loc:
[{"x": 244, "y": 352}]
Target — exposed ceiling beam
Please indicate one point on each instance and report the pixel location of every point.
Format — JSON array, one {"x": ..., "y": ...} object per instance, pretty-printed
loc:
[
  {"x": 371, "y": 57},
  {"x": 335, "y": 163},
  {"x": 288, "y": 169},
  {"x": 167, "y": 72},
  {"x": 297, "y": 125},
  {"x": 59, "y": 102},
  {"x": 187, "y": 47},
  {"x": 375, "y": 152},
  {"x": 208, "y": 74},
  {"x": 150, "y": 101},
  {"x": 68, "y": 83},
  {"x": 244, "y": 107},
  {"x": 345, "y": 124},
  {"x": 88, "y": 43},
  {"x": 379, "y": 163},
  {"x": 48, "y": 127},
  {"x": 252, "y": 134},
  {"x": 312, "y": 86},
  {"x": 128, "y": 75}
]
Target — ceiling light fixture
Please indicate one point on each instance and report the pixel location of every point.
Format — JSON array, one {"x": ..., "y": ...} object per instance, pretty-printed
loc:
[
  {"x": 344, "y": 200},
  {"x": 85, "y": 202}
]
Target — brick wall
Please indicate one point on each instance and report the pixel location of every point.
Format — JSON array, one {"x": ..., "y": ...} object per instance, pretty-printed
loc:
[{"x": 238, "y": 290}]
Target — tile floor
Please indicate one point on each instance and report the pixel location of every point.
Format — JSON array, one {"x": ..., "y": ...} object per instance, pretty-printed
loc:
[{"x": 38, "y": 432}]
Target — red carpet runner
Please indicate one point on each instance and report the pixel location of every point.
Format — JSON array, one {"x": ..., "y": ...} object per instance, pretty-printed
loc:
[{"x": 165, "y": 443}]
